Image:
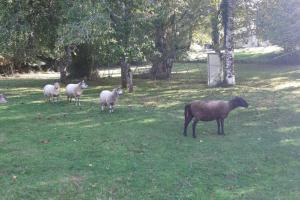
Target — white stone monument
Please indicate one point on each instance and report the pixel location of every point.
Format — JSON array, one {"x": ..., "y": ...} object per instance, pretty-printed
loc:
[{"x": 215, "y": 70}]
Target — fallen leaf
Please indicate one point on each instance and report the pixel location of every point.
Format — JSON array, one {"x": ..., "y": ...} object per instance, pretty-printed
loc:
[{"x": 45, "y": 141}]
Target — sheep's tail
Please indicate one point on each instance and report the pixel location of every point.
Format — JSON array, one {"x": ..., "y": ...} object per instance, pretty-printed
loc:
[{"x": 187, "y": 112}]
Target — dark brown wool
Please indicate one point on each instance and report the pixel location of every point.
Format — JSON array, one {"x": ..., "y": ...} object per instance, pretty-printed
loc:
[{"x": 209, "y": 111}]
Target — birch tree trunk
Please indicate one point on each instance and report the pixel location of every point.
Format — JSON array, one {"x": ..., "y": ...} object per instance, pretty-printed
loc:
[{"x": 228, "y": 15}]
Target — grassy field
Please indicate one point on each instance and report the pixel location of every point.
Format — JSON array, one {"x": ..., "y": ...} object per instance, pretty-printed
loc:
[{"x": 60, "y": 151}]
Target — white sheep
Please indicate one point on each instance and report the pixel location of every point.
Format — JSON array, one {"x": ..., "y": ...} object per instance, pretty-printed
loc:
[
  {"x": 109, "y": 98},
  {"x": 2, "y": 99},
  {"x": 52, "y": 91},
  {"x": 75, "y": 91}
]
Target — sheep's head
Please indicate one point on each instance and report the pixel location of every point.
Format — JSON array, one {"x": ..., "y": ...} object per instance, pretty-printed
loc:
[
  {"x": 83, "y": 85},
  {"x": 118, "y": 91},
  {"x": 56, "y": 85},
  {"x": 239, "y": 101}
]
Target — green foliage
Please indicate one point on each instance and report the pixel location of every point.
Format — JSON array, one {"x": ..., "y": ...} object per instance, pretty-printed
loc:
[
  {"x": 245, "y": 23},
  {"x": 129, "y": 28},
  {"x": 201, "y": 33},
  {"x": 278, "y": 22},
  {"x": 133, "y": 30},
  {"x": 113, "y": 29},
  {"x": 82, "y": 22},
  {"x": 28, "y": 28}
]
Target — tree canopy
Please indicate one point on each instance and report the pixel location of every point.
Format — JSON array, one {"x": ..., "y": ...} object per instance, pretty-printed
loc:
[
  {"x": 278, "y": 22},
  {"x": 78, "y": 37}
]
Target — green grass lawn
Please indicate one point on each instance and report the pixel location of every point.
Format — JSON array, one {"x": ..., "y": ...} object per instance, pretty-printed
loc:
[{"x": 60, "y": 151}]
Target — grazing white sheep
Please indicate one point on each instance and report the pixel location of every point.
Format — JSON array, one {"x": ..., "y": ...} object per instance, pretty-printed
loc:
[
  {"x": 2, "y": 98},
  {"x": 75, "y": 91},
  {"x": 52, "y": 91},
  {"x": 109, "y": 98}
]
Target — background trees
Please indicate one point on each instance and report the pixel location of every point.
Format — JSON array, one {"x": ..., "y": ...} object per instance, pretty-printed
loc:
[
  {"x": 79, "y": 37},
  {"x": 28, "y": 30},
  {"x": 278, "y": 22},
  {"x": 173, "y": 23}
]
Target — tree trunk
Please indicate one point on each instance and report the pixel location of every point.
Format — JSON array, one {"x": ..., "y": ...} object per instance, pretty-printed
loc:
[
  {"x": 124, "y": 72},
  {"x": 130, "y": 80},
  {"x": 162, "y": 63},
  {"x": 63, "y": 72},
  {"x": 64, "y": 64},
  {"x": 215, "y": 33},
  {"x": 82, "y": 63},
  {"x": 228, "y": 14},
  {"x": 161, "y": 67}
]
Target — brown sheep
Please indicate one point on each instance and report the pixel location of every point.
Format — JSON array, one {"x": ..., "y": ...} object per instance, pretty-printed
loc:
[{"x": 209, "y": 111}]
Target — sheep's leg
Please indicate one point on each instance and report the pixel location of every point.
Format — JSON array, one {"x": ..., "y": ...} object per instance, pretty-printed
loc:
[
  {"x": 187, "y": 121},
  {"x": 218, "y": 122},
  {"x": 222, "y": 126},
  {"x": 102, "y": 107},
  {"x": 75, "y": 99},
  {"x": 194, "y": 128},
  {"x": 111, "y": 109},
  {"x": 78, "y": 100}
]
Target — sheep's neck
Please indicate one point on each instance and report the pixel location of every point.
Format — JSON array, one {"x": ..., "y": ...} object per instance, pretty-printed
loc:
[
  {"x": 114, "y": 96},
  {"x": 232, "y": 105},
  {"x": 78, "y": 90}
]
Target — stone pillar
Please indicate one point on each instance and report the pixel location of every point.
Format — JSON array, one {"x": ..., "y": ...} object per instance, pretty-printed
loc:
[{"x": 214, "y": 70}]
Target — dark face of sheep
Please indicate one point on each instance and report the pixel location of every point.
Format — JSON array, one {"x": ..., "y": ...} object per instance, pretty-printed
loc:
[{"x": 240, "y": 102}]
